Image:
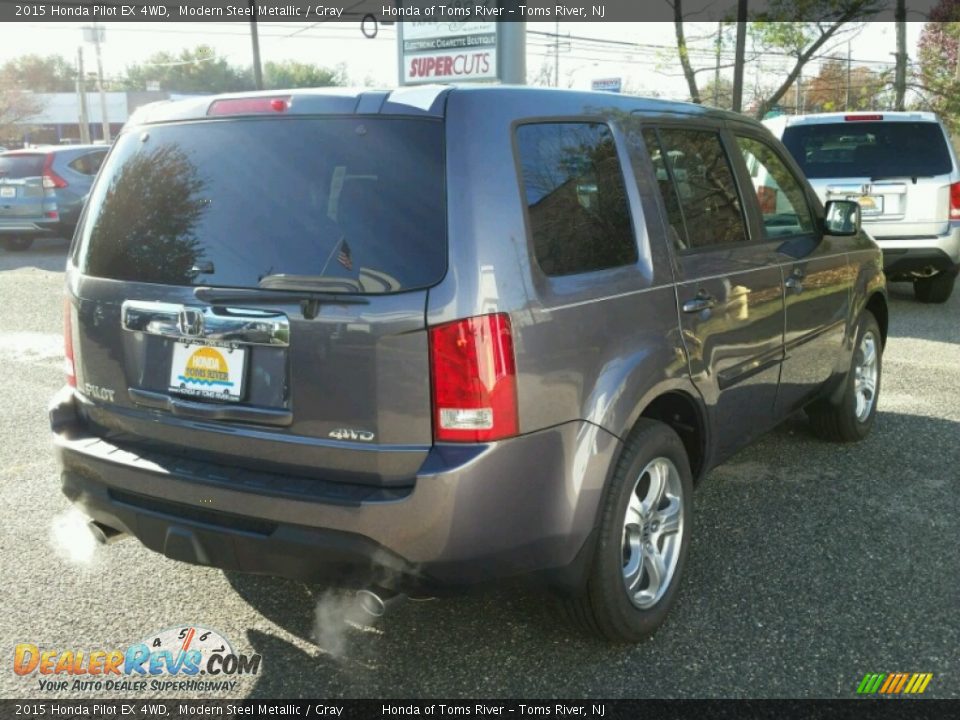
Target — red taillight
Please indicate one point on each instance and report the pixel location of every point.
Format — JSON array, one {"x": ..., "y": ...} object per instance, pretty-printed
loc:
[
  {"x": 474, "y": 378},
  {"x": 52, "y": 214},
  {"x": 955, "y": 201},
  {"x": 855, "y": 118},
  {"x": 68, "y": 366},
  {"x": 248, "y": 106},
  {"x": 50, "y": 179}
]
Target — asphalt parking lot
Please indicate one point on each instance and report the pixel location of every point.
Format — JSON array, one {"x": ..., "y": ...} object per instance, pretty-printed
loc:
[{"x": 811, "y": 564}]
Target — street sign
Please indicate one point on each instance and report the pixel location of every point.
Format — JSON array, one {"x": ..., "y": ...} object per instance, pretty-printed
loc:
[
  {"x": 607, "y": 85},
  {"x": 434, "y": 52},
  {"x": 95, "y": 34}
]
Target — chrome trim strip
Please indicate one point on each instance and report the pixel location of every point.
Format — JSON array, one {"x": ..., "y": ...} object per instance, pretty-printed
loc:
[{"x": 196, "y": 322}]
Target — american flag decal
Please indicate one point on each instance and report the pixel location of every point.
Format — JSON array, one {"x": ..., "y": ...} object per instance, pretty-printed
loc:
[{"x": 344, "y": 257}]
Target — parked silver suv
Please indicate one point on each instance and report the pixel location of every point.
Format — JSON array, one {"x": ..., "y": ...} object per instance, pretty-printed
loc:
[
  {"x": 902, "y": 169},
  {"x": 441, "y": 336}
]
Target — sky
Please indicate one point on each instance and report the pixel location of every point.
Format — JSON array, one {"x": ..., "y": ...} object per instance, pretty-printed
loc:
[{"x": 587, "y": 51}]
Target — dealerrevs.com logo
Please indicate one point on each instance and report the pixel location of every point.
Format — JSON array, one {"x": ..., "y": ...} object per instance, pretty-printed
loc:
[{"x": 187, "y": 658}]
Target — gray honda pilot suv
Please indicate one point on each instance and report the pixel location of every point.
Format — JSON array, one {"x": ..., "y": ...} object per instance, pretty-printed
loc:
[{"x": 439, "y": 336}]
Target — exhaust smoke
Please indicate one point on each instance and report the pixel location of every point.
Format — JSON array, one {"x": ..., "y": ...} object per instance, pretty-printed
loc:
[
  {"x": 337, "y": 615},
  {"x": 72, "y": 539}
]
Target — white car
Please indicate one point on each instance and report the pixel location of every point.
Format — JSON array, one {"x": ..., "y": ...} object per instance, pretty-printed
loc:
[{"x": 902, "y": 169}]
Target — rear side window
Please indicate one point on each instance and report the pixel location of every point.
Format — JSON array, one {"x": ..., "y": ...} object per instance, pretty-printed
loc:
[
  {"x": 693, "y": 167},
  {"x": 576, "y": 198},
  {"x": 17, "y": 167},
  {"x": 869, "y": 149},
  {"x": 88, "y": 164},
  {"x": 352, "y": 205}
]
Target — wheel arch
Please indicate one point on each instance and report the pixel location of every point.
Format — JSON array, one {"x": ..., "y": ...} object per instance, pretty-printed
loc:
[
  {"x": 679, "y": 405},
  {"x": 877, "y": 304},
  {"x": 685, "y": 415}
]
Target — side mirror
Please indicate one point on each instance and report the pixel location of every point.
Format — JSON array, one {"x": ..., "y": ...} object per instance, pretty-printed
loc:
[{"x": 842, "y": 218}]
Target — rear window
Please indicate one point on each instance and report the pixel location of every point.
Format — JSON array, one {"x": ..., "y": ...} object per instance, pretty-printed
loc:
[
  {"x": 330, "y": 204},
  {"x": 17, "y": 167},
  {"x": 869, "y": 149}
]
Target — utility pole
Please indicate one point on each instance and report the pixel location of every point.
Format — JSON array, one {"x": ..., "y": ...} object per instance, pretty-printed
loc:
[
  {"x": 716, "y": 72},
  {"x": 512, "y": 53},
  {"x": 82, "y": 99},
  {"x": 739, "y": 55},
  {"x": 95, "y": 35},
  {"x": 255, "y": 40},
  {"x": 900, "y": 81},
  {"x": 800, "y": 92},
  {"x": 846, "y": 104},
  {"x": 556, "y": 54}
]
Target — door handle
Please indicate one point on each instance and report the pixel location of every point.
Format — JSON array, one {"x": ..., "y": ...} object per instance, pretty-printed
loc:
[{"x": 701, "y": 302}]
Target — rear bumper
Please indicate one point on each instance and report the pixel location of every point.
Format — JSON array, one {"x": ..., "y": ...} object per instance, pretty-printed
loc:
[
  {"x": 471, "y": 514},
  {"x": 905, "y": 255},
  {"x": 27, "y": 227}
]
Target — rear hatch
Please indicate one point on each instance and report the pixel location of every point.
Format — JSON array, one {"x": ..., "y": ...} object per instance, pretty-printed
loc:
[
  {"x": 253, "y": 290},
  {"x": 899, "y": 170},
  {"x": 22, "y": 194}
]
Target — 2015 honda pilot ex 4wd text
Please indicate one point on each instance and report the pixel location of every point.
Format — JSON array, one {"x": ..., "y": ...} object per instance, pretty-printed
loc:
[{"x": 439, "y": 336}]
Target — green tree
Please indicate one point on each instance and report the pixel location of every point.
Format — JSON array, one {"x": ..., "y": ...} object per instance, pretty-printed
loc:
[
  {"x": 724, "y": 93},
  {"x": 938, "y": 78},
  {"x": 16, "y": 107},
  {"x": 38, "y": 73},
  {"x": 778, "y": 29},
  {"x": 293, "y": 74},
  {"x": 834, "y": 89},
  {"x": 197, "y": 70}
]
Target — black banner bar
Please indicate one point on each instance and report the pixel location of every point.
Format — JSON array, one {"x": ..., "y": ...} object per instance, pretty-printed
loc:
[
  {"x": 446, "y": 11},
  {"x": 148, "y": 709}
]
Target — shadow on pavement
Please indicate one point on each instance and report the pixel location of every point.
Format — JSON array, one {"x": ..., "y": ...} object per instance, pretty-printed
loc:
[
  {"x": 910, "y": 318},
  {"x": 339, "y": 651},
  {"x": 44, "y": 254},
  {"x": 787, "y": 519}
]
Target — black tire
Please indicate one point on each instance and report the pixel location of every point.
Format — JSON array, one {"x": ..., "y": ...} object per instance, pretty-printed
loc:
[
  {"x": 840, "y": 422},
  {"x": 604, "y": 607},
  {"x": 16, "y": 244},
  {"x": 936, "y": 289}
]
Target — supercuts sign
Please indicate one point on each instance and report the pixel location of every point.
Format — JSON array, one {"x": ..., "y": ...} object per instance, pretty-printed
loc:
[{"x": 436, "y": 52}]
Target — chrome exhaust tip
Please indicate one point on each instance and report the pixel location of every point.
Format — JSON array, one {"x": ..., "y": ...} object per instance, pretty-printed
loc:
[
  {"x": 375, "y": 601},
  {"x": 104, "y": 534}
]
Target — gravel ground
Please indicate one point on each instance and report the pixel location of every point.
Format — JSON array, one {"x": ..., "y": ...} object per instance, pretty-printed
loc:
[{"x": 811, "y": 564}]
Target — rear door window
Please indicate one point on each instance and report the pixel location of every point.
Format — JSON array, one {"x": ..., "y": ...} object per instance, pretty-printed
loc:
[
  {"x": 17, "y": 167},
  {"x": 872, "y": 149},
  {"x": 698, "y": 188},
  {"x": 576, "y": 197},
  {"x": 340, "y": 204}
]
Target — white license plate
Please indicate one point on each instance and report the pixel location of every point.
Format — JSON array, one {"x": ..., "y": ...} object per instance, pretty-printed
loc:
[
  {"x": 869, "y": 204},
  {"x": 208, "y": 371},
  {"x": 8, "y": 192}
]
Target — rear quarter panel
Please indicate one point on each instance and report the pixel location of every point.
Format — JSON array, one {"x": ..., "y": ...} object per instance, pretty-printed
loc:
[{"x": 597, "y": 346}]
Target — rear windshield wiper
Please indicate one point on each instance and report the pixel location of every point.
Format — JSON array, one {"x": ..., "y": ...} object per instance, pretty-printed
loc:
[
  {"x": 913, "y": 178},
  {"x": 219, "y": 296},
  {"x": 310, "y": 300}
]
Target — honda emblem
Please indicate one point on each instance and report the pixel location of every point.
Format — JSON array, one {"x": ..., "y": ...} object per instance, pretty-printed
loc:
[{"x": 191, "y": 322}]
